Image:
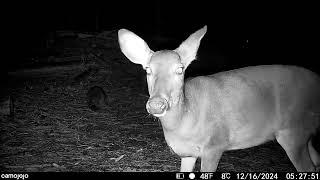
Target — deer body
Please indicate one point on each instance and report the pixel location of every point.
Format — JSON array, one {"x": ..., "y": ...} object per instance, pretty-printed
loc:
[
  {"x": 204, "y": 116},
  {"x": 225, "y": 102}
]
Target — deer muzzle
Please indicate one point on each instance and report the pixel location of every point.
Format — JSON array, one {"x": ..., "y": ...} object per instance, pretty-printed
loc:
[{"x": 157, "y": 106}]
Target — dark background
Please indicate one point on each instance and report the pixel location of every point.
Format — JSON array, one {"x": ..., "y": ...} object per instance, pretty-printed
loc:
[{"x": 278, "y": 33}]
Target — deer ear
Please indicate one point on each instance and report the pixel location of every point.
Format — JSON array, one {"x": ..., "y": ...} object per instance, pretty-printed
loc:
[
  {"x": 134, "y": 48},
  {"x": 188, "y": 48}
]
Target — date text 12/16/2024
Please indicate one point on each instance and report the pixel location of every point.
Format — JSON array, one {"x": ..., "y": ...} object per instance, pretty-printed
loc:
[{"x": 251, "y": 175}]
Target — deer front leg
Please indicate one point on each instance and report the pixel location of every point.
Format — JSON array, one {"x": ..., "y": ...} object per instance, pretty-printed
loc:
[
  {"x": 210, "y": 159},
  {"x": 187, "y": 164}
]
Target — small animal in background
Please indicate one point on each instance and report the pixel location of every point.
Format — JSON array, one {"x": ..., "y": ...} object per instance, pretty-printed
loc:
[
  {"x": 204, "y": 116},
  {"x": 7, "y": 106},
  {"x": 96, "y": 98}
]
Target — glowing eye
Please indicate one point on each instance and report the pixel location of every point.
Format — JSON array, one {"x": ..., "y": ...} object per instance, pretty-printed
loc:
[
  {"x": 179, "y": 70},
  {"x": 148, "y": 70}
]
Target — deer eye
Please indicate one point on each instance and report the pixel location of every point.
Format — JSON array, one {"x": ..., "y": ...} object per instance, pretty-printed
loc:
[
  {"x": 148, "y": 70},
  {"x": 179, "y": 70}
]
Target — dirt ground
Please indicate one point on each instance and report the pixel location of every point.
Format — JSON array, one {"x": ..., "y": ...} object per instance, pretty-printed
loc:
[{"x": 54, "y": 130}]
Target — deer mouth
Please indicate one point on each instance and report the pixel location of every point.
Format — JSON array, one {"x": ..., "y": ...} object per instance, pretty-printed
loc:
[{"x": 157, "y": 106}]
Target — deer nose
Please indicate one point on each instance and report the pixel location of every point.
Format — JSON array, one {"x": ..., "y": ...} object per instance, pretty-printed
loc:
[{"x": 156, "y": 105}]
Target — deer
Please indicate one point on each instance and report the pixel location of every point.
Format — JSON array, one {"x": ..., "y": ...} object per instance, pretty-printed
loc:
[{"x": 204, "y": 116}]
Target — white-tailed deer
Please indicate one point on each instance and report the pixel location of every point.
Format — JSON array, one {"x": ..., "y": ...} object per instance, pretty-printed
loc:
[{"x": 204, "y": 116}]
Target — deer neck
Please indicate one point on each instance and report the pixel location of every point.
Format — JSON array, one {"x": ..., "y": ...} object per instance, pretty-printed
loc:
[{"x": 175, "y": 116}]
